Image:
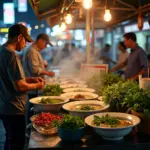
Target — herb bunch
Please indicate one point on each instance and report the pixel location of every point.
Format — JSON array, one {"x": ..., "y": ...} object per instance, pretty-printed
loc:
[{"x": 69, "y": 122}]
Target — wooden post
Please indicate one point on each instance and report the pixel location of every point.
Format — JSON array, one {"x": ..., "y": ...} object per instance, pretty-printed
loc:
[
  {"x": 88, "y": 50},
  {"x": 93, "y": 35}
]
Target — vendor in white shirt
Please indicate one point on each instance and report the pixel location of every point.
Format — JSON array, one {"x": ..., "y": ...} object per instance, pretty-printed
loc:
[{"x": 123, "y": 54}]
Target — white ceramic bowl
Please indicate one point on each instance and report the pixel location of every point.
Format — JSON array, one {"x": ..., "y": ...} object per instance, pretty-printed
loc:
[
  {"x": 87, "y": 95},
  {"x": 75, "y": 85},
  {"x": 78, "y": 90},
  {"x": 47, "y": 107},
  {"x": 100, "y": 98},
  {"x": 82, "y": 113},
  {"x": 113, "y": 133}
]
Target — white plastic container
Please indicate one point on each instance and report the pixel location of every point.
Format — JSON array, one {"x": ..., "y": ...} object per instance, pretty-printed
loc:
[{"x": 144, "y": 83}]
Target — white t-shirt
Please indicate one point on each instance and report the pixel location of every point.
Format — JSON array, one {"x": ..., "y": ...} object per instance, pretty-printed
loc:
[{"x": 122, "y": 57}]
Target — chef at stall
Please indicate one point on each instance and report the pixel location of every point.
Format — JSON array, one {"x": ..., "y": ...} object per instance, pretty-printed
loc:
[{"x": 137, "y": 63}]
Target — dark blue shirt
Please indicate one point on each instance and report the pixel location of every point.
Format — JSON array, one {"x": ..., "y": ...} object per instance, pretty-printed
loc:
[{"x": 136, "y": 61}]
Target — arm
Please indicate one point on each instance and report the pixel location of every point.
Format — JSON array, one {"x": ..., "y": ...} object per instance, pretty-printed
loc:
[
  {"x": 108, "y": 59},
  {"x": 143, "y": 64},
  {"x": 16, "y": 75},
  {"x": 23, "y": 86},
  {"x": 34, "y": 79},
  {"x": 119, "y": 66},
  {"x": 29, "y": 80},
  {"x": 140, "y": 73}
]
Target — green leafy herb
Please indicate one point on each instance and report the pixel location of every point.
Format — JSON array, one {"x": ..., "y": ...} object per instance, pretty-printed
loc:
[
  {"x": 124, "y": 95},
  {"x": 86, "y": 107},
  {"x": 115, "y": 94},
  {"x": 138, "y": 99},
  {"x": 100, "y": 81},
  {"x": 52, "y": 90},
  {"x": 50, "y": 101},
  {"x": 69, "y": 122},
  {"x": 113, "y": 122}
]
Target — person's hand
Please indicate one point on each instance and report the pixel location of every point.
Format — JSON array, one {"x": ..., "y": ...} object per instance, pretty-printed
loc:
[
  {"x": 37, "y": 79},
  {"x": 39, "y": 85},
  {"x": 51, "y": 74},
  {"x": 133, "y": 79},
  {"x": 45, "y": 63}
]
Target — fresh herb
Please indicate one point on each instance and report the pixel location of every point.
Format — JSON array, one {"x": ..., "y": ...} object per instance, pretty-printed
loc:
[
  {"x": 113, "y": 122},
  {"x": 138, "y": 99},
  {"x": 52, "y": 90},
  {"x": 50, "y": 101},
  {"x": 116, "y": 93},
  {"x": 124, "y": 95},
  {"x": 86, "y": 107},
  {"x": 100, "y": 81},
  {"x": 69, "y": 122}
]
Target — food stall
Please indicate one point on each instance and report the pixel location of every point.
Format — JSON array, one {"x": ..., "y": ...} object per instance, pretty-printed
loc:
[
  {"x": 76, "y": 102},
  {"x": 102, "y": 111}
]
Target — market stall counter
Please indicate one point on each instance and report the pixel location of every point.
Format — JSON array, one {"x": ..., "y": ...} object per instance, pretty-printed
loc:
[{"x": 91, "y": 141}]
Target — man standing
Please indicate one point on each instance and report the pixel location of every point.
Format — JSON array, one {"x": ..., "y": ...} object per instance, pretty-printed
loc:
[
  {"x": 105, "y": 55},
  {"x": 34, "y": 65},
  {"x": 136, "y": 63},
  {"x": 13, "y": 87},
  {"x": 33, "y": 62}
]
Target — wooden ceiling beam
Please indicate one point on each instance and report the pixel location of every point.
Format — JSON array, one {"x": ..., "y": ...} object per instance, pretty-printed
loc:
[
  {"x": 126, "y": 4},
  {"x": 111, "y": 8},
  {"x": 34, "y": 5},
  {"x": 52, "y": 11},
  {"x": 143, "y": 9}
]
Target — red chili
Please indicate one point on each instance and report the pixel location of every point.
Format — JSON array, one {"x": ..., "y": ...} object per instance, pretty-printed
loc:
[{"x": 46, "y": 118}]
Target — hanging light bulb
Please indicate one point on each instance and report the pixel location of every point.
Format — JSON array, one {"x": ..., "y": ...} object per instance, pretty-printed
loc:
[
  {"x": 68, "y": 19},
  {"x": 87, "y": 4},
  {"x": 63, "y": 26},
  {"x": 107, "y": 15}
]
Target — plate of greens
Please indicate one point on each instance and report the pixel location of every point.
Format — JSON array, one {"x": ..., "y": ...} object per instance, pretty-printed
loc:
[{"x": 48, "y": 103}]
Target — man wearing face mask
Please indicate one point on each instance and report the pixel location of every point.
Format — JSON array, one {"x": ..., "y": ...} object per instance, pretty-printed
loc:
[{"x": 13, "y": 87}]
